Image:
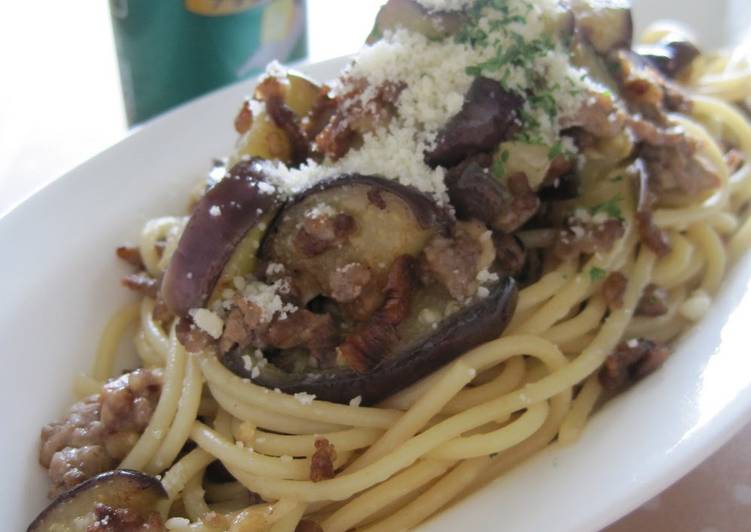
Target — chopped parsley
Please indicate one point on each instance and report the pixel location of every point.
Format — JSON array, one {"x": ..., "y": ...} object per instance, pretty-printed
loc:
[
  {"x": 617, "y": 178},
  {"x": 597, "y": 274},
  {"x": 517, "y": 59},
  {"x": 499, "y": 164},
  {"x": 610, "y": 207},
  {"x": 555, "y": 150}
]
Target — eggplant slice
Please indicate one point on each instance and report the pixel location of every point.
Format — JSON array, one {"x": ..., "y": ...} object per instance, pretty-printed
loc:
[
  {"x": 391, "y": 222},
  {"x": 469, "y": 327},
  {"x": 219, "y": 221},
  {"x": 130, "y": 496},
  {"x": 364, "y": 313},
  {"x": 387, "y": 220}
]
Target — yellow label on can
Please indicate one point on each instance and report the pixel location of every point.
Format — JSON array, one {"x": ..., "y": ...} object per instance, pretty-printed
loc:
[{"x": 217, "y": 8}]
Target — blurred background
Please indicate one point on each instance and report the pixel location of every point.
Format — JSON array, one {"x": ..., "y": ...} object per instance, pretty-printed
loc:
[{"x": 61, "y": 102}]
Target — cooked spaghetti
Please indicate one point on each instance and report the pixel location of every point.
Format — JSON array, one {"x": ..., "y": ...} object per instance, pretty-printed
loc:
[{"x": 307, "y": 372}]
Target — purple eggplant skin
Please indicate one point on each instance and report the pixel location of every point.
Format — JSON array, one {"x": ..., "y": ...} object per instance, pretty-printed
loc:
[
  {"x": 474, "y": 192},
  {"x": 671, "y": 56},
  {"x": 218, "y": 222},
  {"x": 121, "y": 488},
  {"x": 427, "y": 213},
  {"x": 474, "y": 325},
  {"x": 489, "y": 115}
]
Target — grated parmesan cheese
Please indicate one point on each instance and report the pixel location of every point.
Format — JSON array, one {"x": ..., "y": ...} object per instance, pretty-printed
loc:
[
  {"x": 207, "y": 321},
  {"x": 266, "y": 297},
  {"x": 319, "y": 210},
  {"x": 696, "y": 306},
  {"x": 486, "y": 277},
  {"x": 274, "y": 268},
  {"x": 429, "y": 316},
  {"x": 215, "y": 211},
  {"x": 176, "y": 523},
  {"x": 304, "y": 398},
  {"x": 436, "y": 74}
]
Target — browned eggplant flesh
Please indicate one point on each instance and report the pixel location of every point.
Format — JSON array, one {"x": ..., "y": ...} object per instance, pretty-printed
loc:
[{"x": 120, "y": 500}]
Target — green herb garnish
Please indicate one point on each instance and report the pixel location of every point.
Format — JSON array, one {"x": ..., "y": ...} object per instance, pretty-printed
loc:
[
  {"x": 555, "y": 150},
  {"x": 610, "y": 208},
  {"x": 499, "y": 164},
  {"x": 596, "y": 273}
]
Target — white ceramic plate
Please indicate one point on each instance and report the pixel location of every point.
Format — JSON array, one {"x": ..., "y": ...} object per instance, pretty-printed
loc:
[{"x": 59, "y": 284}]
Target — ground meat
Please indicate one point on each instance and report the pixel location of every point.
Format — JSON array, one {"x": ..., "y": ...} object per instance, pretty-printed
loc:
[
  {"x": 347, "y": 283},
  {"x": 646, "y": 90},
  {"x": 353, "y": 117},
  {"x": 143, "y": 283},
  {"x": 598, "y": 116},
  {"x": 522, "y": 205},
  {"x": 321, "y": 233},
  {"x": 99, "y": 430},
  {"x": 367, "y": 303},
  {"x": 631, "y": 361},
  {"x": 243, "y": 326},
  {"x": 676, "y": 167},
  {"x": 128, "y": 401},
  {"x": 510, "y": 254},
  {"x": 81, "y": 427},
  {"x": 320, "y": 114},
  {"x": 376, "y": 198},
  {"x": 322, "y": 461},
  {"x": 72, "y": 465},
  {"x": 162, "y": 313},
  {"x": 654, "y": 135},
  {"x": 302, "y": 328},
  {"x": 734, "y": 159},
  {"x": 193, "y": 339},
  {"x": 244, "y": 118},
  {"x": 131, "y": 255},
  {"x": 306, "y": 525},
  {"x": 109, "y": 519},
  {"x": 653, "y": 302},
  {"x": 366, "y": 347},
  {"x": 653, "y": 237},
  {"x": 613, "y": 289},
  {"x": 587, "y": 238},
  {"x": 454, "y": 263},
  {"x": 668, "y": 153}
]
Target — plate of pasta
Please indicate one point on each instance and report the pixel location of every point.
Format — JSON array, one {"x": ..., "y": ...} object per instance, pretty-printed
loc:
[{"x": 490, "y": 272}]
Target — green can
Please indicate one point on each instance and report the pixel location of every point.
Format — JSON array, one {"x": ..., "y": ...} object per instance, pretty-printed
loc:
[{"x": 170, "y": 51}]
